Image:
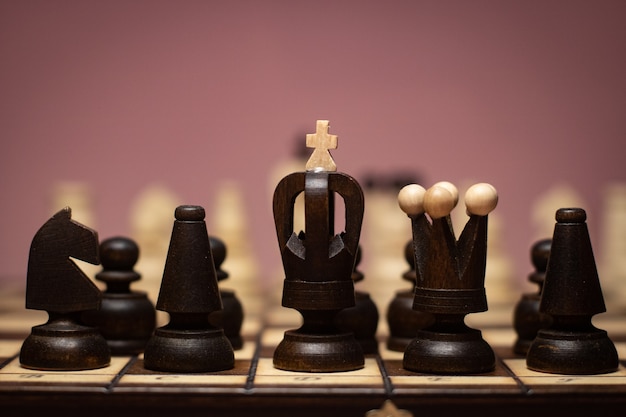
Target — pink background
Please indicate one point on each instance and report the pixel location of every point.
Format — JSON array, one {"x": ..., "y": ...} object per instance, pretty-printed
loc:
[{"x": 122, "y": 94}]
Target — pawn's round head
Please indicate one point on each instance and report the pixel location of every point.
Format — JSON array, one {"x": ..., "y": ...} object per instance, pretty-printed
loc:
[
  {"x": 411, "y": 199},
  {"x": 119, "y": 253},
  {"x": 439, "y": 200},
  {"x": 481, "y": 199}
]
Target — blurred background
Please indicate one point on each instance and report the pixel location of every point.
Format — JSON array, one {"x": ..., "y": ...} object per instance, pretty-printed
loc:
[{"x": 124, "y": 109}]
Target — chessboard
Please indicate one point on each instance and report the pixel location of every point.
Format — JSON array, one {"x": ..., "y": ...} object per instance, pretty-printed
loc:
[{"x": 254, "y": 386}]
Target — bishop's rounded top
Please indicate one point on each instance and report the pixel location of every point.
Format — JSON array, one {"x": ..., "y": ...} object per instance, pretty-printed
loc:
[
  {"x": 571, "y": 215},
  {"x": 439, "y": 200},
  {"x": 189, "y": 213},
  {"x": 481, "y": 199},
  {"x": 411, "y": 199}
]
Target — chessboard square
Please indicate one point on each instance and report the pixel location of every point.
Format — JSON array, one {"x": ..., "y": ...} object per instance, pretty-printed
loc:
[
  {"x": 186, "y": 380},
  {"x": 471, "y": 381},
  {"x": 530, "y": 377},
  {"x": 621, "y": 350},
  {"x": 265, "y": 367},
  {"x": 58, "y": 378},
  {"x": 335, "y": 379}
]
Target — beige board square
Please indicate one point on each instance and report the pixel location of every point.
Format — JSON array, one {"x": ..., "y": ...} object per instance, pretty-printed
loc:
[
  {"x": 267, "y": 375},
  {"x": 457, "y": 380},
  {"x": 529, "y": 377},
  {"x": 183, "y": 380},
  {"x": 621, "y": 350},
  {"x": 14, "y": 372}
]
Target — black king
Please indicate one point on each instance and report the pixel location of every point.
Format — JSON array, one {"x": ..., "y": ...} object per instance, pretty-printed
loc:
[
  {"x": 318, "y": 263},
  {"x": 450, "y": 278}
]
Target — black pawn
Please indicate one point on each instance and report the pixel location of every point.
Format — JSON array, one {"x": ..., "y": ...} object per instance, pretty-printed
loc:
[
  {"x": 57, "y": 285},
  {"x": 403, "y": 321},
  {"x": 189, "y": 293},
  {"x": 572, "y": 296},
  {"x": 527, "y": 319},
  {"x": 126, "y": 318},
  {"x": 362, "y": 319},
  {"x": 230, "y": 318}
]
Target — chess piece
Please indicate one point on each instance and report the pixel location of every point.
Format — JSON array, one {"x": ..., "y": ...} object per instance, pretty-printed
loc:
[
  {"x": 404, "y": 322},
  {"x": 362, "y": 319},
  {"x": 57, "y": 285},
  {"x": 189, "y": 293},
  {"x": 612, "y": 265},
  {"x": 384, "y": 236},
  {"x": 230, "y": 318},
  {"x": 318, "y": 263},
  {"x": 450, "y": 278},
  {"x": 151, "y": 227},
  {"x": 230, "y": 222},
  {"x": 572, "y": 296},
  {"x": 126, "y": 318},
  {"x": 527, "y": 319}
]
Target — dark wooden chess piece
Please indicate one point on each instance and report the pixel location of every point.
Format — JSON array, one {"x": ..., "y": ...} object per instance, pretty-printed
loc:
[
  {"x": 403, "y": 321},
  {"x": 57, "y": 285},
  {"x": 572, "y": 296},
  {"x": 230, "y": 318},
  {"x": 450, "y": 278},
  {"x": 126, "y": 318},
  {"x": 362, "y": 319},
  {"x": 527, "y": 319},
  {"x": 318, "y": 263},
  {"x": 189, "y": 293}
]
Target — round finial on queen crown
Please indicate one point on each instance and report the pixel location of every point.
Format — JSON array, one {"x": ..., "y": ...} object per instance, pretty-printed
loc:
[
  {"x": 411, "y": 199},
  {"x": 439, "y": 201},
  {"x": 450, "y": 187},
  {"x": 481, "y": 199},
  {"x": 189, "y": 213}
]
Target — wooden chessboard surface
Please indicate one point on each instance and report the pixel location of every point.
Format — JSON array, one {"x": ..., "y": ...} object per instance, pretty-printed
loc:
[{"x": 254, "y": 386}]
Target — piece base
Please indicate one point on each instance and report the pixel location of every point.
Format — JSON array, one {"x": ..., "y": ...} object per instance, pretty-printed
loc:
[
  {"x": 572, "y": 353},
  {"x": 449, "y": 353},
  {"x": 318, "y": 353},
  {"x": 188, "y": 351},
  {"x": 64, "y": 346}
]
